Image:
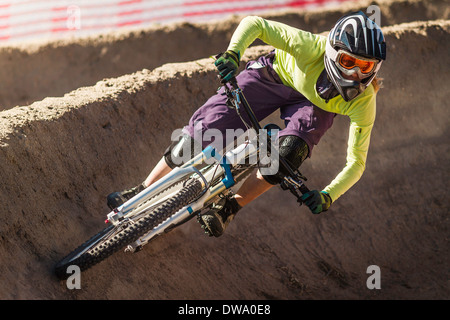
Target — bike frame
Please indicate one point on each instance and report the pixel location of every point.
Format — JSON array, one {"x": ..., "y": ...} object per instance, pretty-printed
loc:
[{"x": 222, "y": 167}]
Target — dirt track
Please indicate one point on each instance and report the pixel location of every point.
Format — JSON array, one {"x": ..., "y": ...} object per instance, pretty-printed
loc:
[{"x": 60, "y": 157}]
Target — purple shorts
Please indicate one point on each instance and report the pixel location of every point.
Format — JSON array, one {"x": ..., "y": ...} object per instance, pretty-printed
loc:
[{"x": 265, "y": 93}]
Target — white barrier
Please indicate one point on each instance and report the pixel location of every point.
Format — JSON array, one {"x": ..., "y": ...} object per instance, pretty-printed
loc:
[{"x": 43, "y": 19}]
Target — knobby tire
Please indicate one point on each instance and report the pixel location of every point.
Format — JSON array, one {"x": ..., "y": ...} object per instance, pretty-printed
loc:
[{"x": 129, "y": 234}]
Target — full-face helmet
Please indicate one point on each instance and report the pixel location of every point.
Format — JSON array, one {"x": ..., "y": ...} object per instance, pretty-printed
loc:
[{"x": 355, "y": 45}]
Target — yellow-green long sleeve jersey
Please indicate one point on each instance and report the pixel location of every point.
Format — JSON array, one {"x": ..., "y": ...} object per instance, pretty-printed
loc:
[{"x": 299, "y": 60}]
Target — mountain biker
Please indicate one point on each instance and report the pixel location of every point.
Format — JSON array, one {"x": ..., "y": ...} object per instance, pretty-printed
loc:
[{"x": 310, "y": 78}]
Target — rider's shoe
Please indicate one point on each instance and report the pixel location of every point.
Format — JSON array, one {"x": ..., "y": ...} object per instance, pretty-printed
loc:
[
  {"x": 216, "y": 220},
  {"x": 116, "y": 199}
]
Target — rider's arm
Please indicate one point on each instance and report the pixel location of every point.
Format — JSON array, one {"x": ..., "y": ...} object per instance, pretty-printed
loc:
[
  {"x": 362, "y": 117},
  {"x": 281, "y": 36},
  {"x": 358, "y": 146}
]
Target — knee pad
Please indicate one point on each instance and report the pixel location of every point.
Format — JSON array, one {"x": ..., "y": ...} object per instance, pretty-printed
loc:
[
  {"x": 294, "y": 150},
  {"x": 181, "y": 151}
]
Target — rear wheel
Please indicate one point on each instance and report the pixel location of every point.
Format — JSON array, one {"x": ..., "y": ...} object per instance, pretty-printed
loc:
[{"x": 116, "y": 237}]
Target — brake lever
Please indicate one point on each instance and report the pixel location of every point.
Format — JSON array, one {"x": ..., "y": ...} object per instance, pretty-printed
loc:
[{"x": 295, "y": 187}]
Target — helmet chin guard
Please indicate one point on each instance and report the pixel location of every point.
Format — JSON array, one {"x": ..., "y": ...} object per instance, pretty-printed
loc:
[{"x": 348, "y": 89}]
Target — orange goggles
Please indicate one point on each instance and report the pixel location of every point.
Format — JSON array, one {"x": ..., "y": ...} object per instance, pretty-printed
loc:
[{"x": 349, "y": 61}]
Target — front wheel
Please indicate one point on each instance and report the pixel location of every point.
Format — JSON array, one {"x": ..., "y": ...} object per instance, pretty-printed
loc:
[{"x": 116, "y": 237}]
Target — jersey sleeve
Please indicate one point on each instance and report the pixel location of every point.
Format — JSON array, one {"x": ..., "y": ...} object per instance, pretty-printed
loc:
[
  {"x": 361, "y": 124},
  {"x": 294, "y": 41}
]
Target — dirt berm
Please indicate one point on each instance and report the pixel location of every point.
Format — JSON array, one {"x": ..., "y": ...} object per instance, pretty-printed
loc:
[
  {"x": 33, "y": 71},
  {"x": 60, "y": 157}
]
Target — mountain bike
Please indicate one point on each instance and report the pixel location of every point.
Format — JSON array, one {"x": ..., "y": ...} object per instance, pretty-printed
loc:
[{"x": 187, "y": 191}]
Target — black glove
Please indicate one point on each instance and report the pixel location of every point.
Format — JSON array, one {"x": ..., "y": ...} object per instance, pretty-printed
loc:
[
  {"x": 317, "y": 201},
  {"x": 228, "y": 64}
]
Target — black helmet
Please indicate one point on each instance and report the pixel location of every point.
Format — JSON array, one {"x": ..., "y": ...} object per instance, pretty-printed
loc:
[{"x": 355, "y": 45}]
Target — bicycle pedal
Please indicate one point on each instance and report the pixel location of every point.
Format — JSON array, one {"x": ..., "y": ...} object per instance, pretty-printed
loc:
[{"x": 203, "y": 225}]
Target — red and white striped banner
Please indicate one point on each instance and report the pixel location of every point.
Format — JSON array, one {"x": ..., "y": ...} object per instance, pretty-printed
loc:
[{"x": 42, "y": 19}]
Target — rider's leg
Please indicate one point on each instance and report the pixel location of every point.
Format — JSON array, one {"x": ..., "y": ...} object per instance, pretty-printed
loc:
[
  {"x": 292, "y": 148},
  {"x": 180, "y": 151},
  {"x": 159, "y": 171},
  {"x": 252, "y": 188}
]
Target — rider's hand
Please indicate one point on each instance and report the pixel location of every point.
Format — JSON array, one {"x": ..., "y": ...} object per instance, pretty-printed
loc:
[
  {"x": 317, "y": 201},
  {"x": 228, "y": 64}
]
